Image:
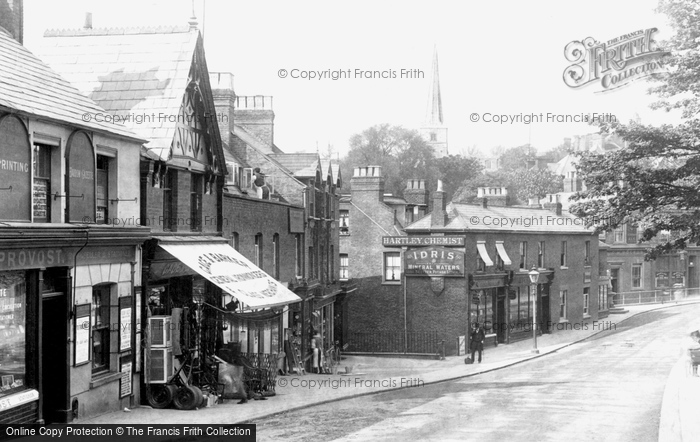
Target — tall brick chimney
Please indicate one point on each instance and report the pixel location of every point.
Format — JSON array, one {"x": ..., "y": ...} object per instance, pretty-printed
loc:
[
  {"x": 12, "y": 18},
  {"x": 416, "y": 193},
  {"x": 438, "y": 216},
  {"x": 367, "y": 184},
  {"x": 255, "y": 114},
  {"x": 224, "y": 101}
]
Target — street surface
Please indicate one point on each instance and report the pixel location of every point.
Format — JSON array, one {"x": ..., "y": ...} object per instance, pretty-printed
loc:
[{"x": 607, "y": 388}]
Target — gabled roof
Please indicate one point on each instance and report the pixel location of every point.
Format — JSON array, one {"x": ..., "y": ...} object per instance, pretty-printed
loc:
[
  {"x": 29, "y": 86},
  {"x": 504, "y": 219},
  {"x": 138, "y": 75},
  {"x": 302, "y": 165},
  {"x": 565, "y": 165}
]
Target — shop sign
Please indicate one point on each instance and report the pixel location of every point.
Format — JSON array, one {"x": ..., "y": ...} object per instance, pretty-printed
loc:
[
  {"x": 296, "y": 220},
  {"x": 417, "y": 241},
  {"x": 110, "y": 255},
  {"x": 15, "y": 170},
  {"x": 18, "y": 399},
  {"x": 125, "y": 384},
  {"x": 81, "y": 179},
  {"x": 124, "y": 323},
  {"x": 169, "y": 269},
  {"x": 31, "y": 258},
  {"x": 434, "y": 261}
]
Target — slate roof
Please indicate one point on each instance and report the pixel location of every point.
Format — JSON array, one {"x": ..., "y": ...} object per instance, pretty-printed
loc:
[
  {"x": 29, "y": 86},
  {"x": 302, "y": 165},
  {"x": 504, "y": 219},
  {"x": 135, "y": 74}
]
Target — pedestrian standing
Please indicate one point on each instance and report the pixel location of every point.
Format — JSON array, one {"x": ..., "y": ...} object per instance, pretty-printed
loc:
[{"x": 476, "y": 339}]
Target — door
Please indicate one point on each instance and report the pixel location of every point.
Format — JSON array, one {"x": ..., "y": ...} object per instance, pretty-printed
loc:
[
  {"x": 546, "y": 316},
  {"x": 614, "y": 276},
  {"x": 501, "y": 320},
  {"x": 54, "y": 357}
]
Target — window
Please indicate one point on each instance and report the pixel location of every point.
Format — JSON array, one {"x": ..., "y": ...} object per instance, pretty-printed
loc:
[
  {"x": 562, "y": 303},
  {"x": 312, "y": 267},
  {"x": 480, "y": 264},
  {"x": 500, "y": 265},
  {"x": 344, "y": 262},
  {"x": 247, "y": 178},
  {"x": 563, "y": 260},
  {"x": 619, "y": 234},
  {"x": 392, "y": 266},
  {"x": 602, "y": 297},
  {"x": 344, "y": 222},
  {"x": 540, "y": 255},
  {"x": 169, "y": 181},
  {"x": 100, "y": 328},
  {"x": 102, "y": 187},
  {"x": 587, "y": 254},
  {"x": 433, "y": 136},
  {"x": 276, "y": 256},
  {"x": 523, "y": 255},
  {"x": 196, "y": 202},
  {"x": 232, "y": 174},
  {"x": 586, "y": 299},
  {"x": 258, "y": 250},
  {"x": 42, "y": 183},
  {"x": 13, "y": 321},
  {"x": 235, "y": 241},
  {"x": 636, "y": 276},
  {"x": 331, "y": 264},
  {"x": 298, "y": 255}
]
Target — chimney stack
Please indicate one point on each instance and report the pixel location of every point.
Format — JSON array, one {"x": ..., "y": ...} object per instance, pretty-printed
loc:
[
  {"x": 495, "y": 196},
  {"x": 438, "y": 217},
  {"x": 256, "y": 116},
  {"x": 552, "y": 204},
  {"x": 367, "y": 183},
  {"x": 12, "y": 19}
]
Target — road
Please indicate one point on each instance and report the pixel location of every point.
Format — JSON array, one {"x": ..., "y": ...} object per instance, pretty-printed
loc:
[{"x": 608, "y": 388}]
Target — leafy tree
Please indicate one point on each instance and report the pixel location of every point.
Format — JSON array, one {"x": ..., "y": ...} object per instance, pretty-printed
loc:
[
  {"x": 533, "y": 183},
  {"x": 516, "y": 157},
  {"x": 454, "y": 170},
  {"x": 652, "y": 182}
]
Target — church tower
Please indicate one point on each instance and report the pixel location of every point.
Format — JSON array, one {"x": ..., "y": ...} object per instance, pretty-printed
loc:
[{"x": 433, "y": 131}]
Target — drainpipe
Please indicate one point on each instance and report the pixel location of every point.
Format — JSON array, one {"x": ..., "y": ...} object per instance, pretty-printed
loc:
[{"x": 405, "y": 306}]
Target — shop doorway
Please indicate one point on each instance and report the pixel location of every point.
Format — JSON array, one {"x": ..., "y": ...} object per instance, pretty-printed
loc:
[
  {"x": 54, "y": 359},
  {"x": 546, "y": 317}
]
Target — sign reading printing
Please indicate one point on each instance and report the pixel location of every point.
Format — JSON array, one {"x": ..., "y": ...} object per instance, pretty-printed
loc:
[
  {"x": 613, "y": 63},
  {"x": 222, "y": 265},
  {"x": 434, "y": 261}
]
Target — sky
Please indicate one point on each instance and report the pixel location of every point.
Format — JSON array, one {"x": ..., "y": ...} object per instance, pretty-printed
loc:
[{"x": 495, "y": 58}]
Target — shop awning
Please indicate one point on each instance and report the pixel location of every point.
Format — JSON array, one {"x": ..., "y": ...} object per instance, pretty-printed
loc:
[
  {"x": 481, "y": 247},
  {"x": 223, "y": 266},
  {"x": 502, "y": 253}
]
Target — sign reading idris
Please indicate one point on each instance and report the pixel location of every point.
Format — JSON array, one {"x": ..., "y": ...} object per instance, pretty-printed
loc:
[{"x": 434, "y": 261}]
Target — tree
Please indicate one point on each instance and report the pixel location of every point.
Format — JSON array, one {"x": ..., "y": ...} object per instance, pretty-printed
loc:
[
  {"x": 453, "y": 170},
  {"x": 517, "y": 157},
  {"x": 533, "y": 183},
  {"x": 652, "y": 182}
]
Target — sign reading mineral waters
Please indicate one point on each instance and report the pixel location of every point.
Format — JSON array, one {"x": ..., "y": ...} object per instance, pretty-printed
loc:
[{"x": 434, "y": 261}]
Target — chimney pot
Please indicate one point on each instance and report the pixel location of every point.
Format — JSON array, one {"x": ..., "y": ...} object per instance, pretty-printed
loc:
[{"x": 484, "y": 202}]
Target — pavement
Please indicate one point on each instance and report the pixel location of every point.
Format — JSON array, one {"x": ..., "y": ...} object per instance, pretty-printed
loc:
[{"x": 370, "y": 374}]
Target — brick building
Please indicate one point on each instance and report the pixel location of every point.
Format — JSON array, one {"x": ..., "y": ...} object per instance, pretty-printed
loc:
[
  {"x": 67, "y": 274},
  {"x": 191, "y": 275},
  {"x": 493, "y": 246},
  {"x": 290, "y": 227}
]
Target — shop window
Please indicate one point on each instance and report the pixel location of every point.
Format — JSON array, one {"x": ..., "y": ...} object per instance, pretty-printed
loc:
[
  {"x": 102, "y": 196},
  {"x": 100, "y": 328},
  {"x": 562, "y": 303},
  {"x": 586, "y": 300},
  {"x": 299, "y": 255},
  {"x": 13, "y": 322},
  {"x": 562, "y": 257},
  {"x": 523, "y": 255},
  {"x": 637, "y": 276},
  {"x": 196, "y": 202},
  {"x": 540, "y": 254},
  {"x": 258, "y": 250},
  {"x": 344, "y": 263},
  {"x": 169, "y": 182},
  {"x": 276, "y": 256},
  {"x": 42, "y": 183},
  {"x": 392, "y": 267},
  {"x": 344, "y": 222}
]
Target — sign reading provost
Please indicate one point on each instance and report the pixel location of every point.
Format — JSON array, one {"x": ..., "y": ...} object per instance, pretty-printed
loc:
[
  {"x": 434, "y": 261},
  {"x": 416, "y": 241}
]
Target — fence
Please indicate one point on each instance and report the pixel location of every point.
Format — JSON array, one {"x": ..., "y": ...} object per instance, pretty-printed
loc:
[
  {"x": 395, "y": 342},
  {"x": 659, "y": 296}
]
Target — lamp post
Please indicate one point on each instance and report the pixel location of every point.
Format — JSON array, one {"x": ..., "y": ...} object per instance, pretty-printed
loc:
[{"x": 534, "y": 276}]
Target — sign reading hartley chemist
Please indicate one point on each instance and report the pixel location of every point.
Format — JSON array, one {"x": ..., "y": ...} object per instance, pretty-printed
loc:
[
  {"x": 434, "y": 261},
  {"x": 416, "y": 241}
]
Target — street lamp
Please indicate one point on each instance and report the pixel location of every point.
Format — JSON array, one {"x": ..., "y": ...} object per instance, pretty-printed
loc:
[{"x": 534, "y": 276}]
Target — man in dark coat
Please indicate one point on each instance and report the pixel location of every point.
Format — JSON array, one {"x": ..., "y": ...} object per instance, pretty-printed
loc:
[{"x": 476, "y": 339}]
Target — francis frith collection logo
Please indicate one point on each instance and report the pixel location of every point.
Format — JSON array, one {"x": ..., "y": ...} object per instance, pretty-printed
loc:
[{"x": 614, "y": 63}]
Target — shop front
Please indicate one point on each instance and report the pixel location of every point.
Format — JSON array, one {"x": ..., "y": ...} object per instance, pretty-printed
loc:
[
  {"x": 66, "y": 321},
  {"x": 208, "y": 297}
]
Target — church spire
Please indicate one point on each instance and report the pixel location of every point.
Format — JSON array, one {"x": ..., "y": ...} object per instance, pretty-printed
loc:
[{"x": 434, "y": 114}]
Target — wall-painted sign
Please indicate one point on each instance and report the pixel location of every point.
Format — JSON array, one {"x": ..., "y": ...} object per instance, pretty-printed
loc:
[
  {"x": 296, "y": 220},
  {"x": 434, "y": 261},
  {"x": 81, "y": 179},
  {"x": 15, "y": 170},
  {"x": 416, "y": 241}
]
